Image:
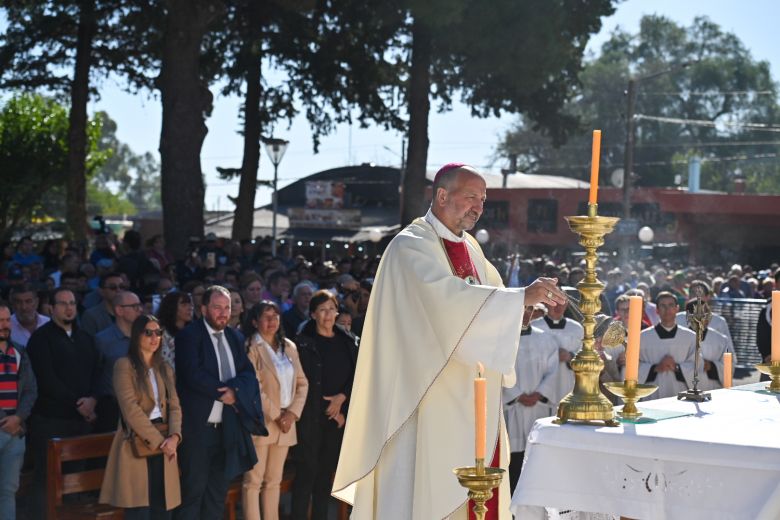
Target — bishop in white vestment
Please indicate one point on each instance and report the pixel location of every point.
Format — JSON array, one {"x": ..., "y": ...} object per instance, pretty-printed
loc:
[{"x": 429, "y": 321}]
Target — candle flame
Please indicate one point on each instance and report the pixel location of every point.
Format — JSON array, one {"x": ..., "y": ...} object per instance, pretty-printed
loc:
[{"x": 480, "y": 369}]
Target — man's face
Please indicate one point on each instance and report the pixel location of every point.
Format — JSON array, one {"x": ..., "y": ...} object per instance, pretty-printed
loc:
[
  {"x": 129, "y": 309},
  {"x": 303, "y": 298},
  {"x": 667, "y": 310},
  {"x": 460, "y": 208},
  {"x": 556, "y": 313},
  {"x": 64, "y": 309},
  {"x": 217, "y": 312},
  {"x": 26, "y": 246},
  {"x": 622, "y": 312},
  {"x": 111, "y": 287},
  {"x": 281, "y": 287},
  {"x": 25, "y": 306},
  {"x": 5, "y": 324}
]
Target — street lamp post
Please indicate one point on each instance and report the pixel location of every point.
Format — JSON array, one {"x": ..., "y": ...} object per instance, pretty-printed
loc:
[{"x": 275, "y": 149}]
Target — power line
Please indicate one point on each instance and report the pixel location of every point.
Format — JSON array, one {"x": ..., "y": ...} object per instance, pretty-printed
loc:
[
  {"x": 756, "y": 127},
  {"x": 710, "y": 92}
]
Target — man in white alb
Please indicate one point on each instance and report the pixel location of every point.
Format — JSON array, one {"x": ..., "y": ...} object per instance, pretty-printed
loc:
[
  {"x": 666, "y": 352},
  {"x": 437, "y": 308}
]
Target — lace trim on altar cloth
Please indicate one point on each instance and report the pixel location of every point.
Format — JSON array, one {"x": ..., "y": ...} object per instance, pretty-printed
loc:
[{"x": 553, "y": 514}]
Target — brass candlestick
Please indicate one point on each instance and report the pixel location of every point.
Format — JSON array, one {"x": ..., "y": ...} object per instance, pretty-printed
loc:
[
  {"x": 630, "y": 392},
  {"x": 480, "y": 481},
  {"x": 772, "y": 369},
  {"x": 586, "y": 403}
]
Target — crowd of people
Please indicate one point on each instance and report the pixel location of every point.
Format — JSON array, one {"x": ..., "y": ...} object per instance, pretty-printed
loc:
[{"x": 126, "y": 338}]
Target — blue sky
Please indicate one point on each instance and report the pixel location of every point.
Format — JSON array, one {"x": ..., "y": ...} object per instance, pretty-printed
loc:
[{"x": 454, "y": 136}]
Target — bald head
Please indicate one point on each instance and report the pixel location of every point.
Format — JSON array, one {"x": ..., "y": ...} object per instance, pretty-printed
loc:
[{"x": 458, "y": 198}]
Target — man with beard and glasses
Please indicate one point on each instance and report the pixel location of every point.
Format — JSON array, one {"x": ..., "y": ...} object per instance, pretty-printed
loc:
[
  {"x": 67, "y": 368},
  {"x": 17, "y": 396},
  {"x": 210, "y": 362},
  {"x": 437, "y": 308}
]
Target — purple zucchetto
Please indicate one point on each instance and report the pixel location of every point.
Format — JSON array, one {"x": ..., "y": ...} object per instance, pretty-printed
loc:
[{"x": 447, "y": 167}]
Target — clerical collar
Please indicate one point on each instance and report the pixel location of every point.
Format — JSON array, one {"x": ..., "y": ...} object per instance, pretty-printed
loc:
[
  {"x": 560, "y": 324},
  {"x": 664, "y": 333},
  {"x": 442, "y": 230}
]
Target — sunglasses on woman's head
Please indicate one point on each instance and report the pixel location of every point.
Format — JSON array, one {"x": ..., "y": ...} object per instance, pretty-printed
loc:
[{"x": 153, "y": 332}]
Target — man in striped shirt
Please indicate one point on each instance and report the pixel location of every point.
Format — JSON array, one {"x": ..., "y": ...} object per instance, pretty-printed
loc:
[{"x": 18, "y": 392}]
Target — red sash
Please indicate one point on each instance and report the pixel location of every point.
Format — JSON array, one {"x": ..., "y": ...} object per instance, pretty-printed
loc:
[{"x": 463, "y": 268}]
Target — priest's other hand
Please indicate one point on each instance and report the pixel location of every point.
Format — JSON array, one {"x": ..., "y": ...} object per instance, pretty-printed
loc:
[{"x": 544, "y": 290}]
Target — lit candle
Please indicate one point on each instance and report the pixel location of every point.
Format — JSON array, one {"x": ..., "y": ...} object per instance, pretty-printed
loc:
[
  {"x": 594, "y": 167},
  {"x": 727, "y": 364},
  {"x": 775, "y": 326},
  {"x": 480, "y": 412},
  {"x": 634, "y": 328}
]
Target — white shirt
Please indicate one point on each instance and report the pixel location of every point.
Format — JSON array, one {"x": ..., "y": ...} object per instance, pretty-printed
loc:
[
  {"x": 442, "y": 230},
  {"x": 19, "y": 334},
  {"x": 285, "y": 373},
  {"x": 216, "y": 411},
  {"x": 156, "y": 412}
]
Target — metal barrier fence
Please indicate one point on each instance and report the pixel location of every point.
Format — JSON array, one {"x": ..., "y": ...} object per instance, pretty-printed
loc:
[{"x": 741, "y": 314}]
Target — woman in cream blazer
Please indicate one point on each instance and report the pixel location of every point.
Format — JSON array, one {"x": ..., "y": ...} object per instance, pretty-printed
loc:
[
  {"x": 146, "y": 392},
  {"x": 283, "y": 389}
]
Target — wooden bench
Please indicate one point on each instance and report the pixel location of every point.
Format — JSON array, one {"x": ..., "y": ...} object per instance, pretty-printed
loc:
[
  {"x": 97, "y": 446},
  {"x": 60, "y": 484}
]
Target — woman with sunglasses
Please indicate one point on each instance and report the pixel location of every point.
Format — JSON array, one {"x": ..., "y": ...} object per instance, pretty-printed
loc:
[
  {"x": 146, "y": 391},
  {"x": 283, "y": 388}
]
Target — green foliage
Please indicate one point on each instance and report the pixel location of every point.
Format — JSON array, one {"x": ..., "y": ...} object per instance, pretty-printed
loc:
[
  {"x": 135, "y": 176},
  {"x": 722, "y": 84},
  {"x": 34, "y": 158}
]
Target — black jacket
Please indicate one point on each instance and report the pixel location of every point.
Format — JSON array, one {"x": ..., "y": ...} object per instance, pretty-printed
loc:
[
  {"x": 66, "y": 369},
  {"x": 312, "y": 417}
]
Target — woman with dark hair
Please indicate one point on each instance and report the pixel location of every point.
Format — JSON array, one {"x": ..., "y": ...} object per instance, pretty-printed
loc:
[
  {"x": 283, "y": 389},
  {"x": 236, "y": 309},
  {"x": 145, "y": 388},
  {"x": 174, "y": 313},
  {"x": 328, "y": 355}
]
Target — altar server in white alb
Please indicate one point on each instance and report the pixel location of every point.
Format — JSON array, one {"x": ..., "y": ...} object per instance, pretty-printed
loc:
[
  {"x": 667, "y": 351},
  {"x": 718, "y": 322},
  {"x": 713, "y": 346},
  {"x": 535, "y": 392},
  {"x": 568, "y": 335},
  {"x": 436, "y": 309}
]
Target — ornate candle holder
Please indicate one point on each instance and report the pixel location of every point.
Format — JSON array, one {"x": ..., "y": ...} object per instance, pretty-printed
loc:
[
  {"x": 772, "y": 369},
  {"x": 630, "y": 392},
  {"x": 586, "y": 403},
  {"x": 480, "y": 481}
]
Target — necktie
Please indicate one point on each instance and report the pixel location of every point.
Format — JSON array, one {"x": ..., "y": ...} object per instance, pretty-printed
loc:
[{"x": 224, "y": 362}]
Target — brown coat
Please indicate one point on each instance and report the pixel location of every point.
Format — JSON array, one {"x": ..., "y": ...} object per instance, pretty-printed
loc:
[
  {"x": 270, "y": 390},
  {"x": 125, "y": 483}
]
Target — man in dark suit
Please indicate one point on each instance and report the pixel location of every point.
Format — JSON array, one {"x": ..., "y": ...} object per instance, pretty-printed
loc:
[{"x": 209, "y": 354}]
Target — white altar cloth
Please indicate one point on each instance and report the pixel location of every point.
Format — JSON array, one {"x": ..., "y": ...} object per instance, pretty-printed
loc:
[{"x": 721, "y": 463}]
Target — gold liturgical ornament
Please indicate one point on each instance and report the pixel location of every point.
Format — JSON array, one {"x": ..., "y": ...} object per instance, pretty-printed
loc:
[
  {"x": 586, "y": 403},
  {"x": 480, "y": 481}
]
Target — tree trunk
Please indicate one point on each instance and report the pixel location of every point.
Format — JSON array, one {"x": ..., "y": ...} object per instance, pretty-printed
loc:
[
  {"x": 185, "y": 102},
  {"x": 413, "y": 195},
  {"x": 243, "y": 217},
  {"x": 76, "y": 198}
]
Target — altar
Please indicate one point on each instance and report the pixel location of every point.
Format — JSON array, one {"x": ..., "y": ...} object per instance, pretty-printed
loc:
[{"x": 720, "y": 460}]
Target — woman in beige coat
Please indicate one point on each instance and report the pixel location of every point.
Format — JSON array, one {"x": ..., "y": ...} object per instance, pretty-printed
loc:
[
  {"x": 283, "y": 389},
  {"x": 146, "y": 391}
]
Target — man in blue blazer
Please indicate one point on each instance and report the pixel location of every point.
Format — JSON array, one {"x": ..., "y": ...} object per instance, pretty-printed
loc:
[{"x": 210, "y": 361}]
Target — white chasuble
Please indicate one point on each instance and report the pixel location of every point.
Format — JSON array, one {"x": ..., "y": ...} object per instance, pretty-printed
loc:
[{"x": 411, "y": 414}]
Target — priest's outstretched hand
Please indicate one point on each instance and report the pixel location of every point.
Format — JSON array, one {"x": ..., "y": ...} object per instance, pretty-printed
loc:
[{"x": 544, "y": 290}]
